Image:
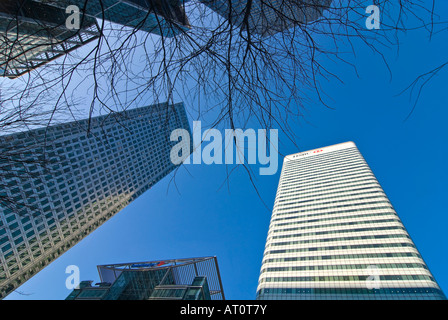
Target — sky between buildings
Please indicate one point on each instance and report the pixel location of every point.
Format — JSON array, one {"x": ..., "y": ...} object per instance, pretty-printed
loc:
[{"x": 203, "y": 215}]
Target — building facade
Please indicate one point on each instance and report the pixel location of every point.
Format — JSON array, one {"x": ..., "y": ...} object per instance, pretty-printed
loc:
[
  {"x": 59, "y": 184},
  {"x": 32, "y": 34},
  {"x": 335, "y": 235},
  {"x": 268, "y": 17},
  {"x": 162, "y": 17},
  {"x": 174, "y": 279}
]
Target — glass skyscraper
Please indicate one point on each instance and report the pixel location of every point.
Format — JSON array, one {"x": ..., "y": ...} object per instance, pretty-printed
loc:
[
  {"x": 165, "y": 17},
  {"x": 32, "y": 34},
  {"x": 335, "y": 235},
  {"x": 173, "y": 279},
  {"x": 58, "y": 184},
  {"x": 268, "y": 17}
]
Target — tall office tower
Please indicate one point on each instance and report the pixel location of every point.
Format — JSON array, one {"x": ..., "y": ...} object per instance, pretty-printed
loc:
[
  {"x": 165, "y": 17},
  {"x": 268, "y": 17},
  {"x": 32, "y": 34},
  {"x": 174, "y": 279},
  {"x": 335, "y": 235},
  {"x": 60, "y": 183}
]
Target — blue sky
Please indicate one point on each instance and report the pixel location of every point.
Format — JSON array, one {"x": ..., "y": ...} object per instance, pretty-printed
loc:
[{"x": 205, "y": 216}]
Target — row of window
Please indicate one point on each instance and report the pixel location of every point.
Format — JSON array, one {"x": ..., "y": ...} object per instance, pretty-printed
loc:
[
  {"x": 354, "y": 291},
  {"x": 312, "y": 207},
  {"x": 314, "y": 195},
  {"x": 338, "y": 187},
  {"x": 310, "y": 215},
  {"x": 343, "y": 247},
  {"x": 359, "y": 209},
  {"x": 369, "y": 237},
  {"x": 321, "y": 159},
  {"x": 346, "y": 168},
  {"x": 345, "y": 267},
  {"x": 310, "y": 166},
  {"x": 316, "y": 198},
  {"x": 338, "y": 231},
  {"x": 346, "y": 278},
  {"x": 351, "y": 223},
  {"x": 328, "y": 182},
  {"x": 346, "y": 256},
  {"x": 334, "y": 218},
  {"x": 327, "y": 209}
]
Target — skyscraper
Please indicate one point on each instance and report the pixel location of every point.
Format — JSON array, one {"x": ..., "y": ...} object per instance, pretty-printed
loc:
[
  {"x": 165, "y": 17},
  {"x": 32, "y": 34},
  {"x": 173, "y": 279},
  {"x": 60, "y": 183},
  {"x": 268, "y": 17},
  {"x": 335, "y": 235}
]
